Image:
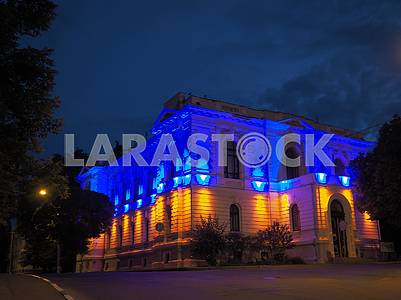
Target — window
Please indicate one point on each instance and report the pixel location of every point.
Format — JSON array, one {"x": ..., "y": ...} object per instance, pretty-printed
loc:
[
  {"x": 108, "y": 238},
  {"x": 292, "y": 172},
  {"x": 120, "y": 235},
  {"x": 123, "y": 198},
  {"x": 339, "y": 169},
  {"x": 234, "y": 218},
  {"x": 139, "y": 186},
  {"x": 168, "y": 216},
  {"x": 150, "y": 182},
  {"x": 146, "y": 230},
  {"x": 172, "y": 170},
  {"x": 295, "y": 219},
  {"x": 127, "y": 195},
  {"x": 231, "y": 170},
  {"x": 132, "y": 232}
]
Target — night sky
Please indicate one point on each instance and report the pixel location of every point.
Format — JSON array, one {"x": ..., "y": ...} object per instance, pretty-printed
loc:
[{"x": 338, "y": 62}]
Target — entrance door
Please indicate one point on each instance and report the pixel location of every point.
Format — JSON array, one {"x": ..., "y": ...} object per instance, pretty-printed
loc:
[{"x": 339, "y": 229}]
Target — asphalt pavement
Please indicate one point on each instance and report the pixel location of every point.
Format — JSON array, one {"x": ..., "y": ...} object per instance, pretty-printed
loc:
[
  {"x": 24, "y": 287},
  {"x": 364, "y": 281}
]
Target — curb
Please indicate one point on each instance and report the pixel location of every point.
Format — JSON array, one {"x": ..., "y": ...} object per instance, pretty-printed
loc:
[{"x": 54, "y": 285}]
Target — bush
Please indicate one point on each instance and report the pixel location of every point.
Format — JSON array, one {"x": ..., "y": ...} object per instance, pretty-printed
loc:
[
  {"x": 208, "y": 240},
  {"x": 273, "y": 242}
]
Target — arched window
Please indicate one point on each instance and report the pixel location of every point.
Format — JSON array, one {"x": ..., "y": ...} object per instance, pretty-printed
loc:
[
  {"x": 234, "y": 218},
  {"x": 295, "y": 218},
  {"x": 339, "y": 169},
  {"x": 292, "y": 153}
]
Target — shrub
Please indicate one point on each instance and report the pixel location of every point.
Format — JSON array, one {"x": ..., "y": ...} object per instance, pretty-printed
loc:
[
  {"x": 274, "y": 241},
  {"x": 208, "y": 240},
  {"x": 235, "y": 246}
]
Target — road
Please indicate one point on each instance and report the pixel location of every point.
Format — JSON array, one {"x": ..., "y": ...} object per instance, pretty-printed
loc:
[
  {"x": 365, "y": 281},
  {"x": 23, "y": 287}
]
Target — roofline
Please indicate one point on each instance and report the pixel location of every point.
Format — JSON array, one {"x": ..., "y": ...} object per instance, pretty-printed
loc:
[{"x": 181, "y": 99}]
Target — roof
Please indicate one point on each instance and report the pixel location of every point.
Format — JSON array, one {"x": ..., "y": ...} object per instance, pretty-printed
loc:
[{"x": 180, "y": 99}]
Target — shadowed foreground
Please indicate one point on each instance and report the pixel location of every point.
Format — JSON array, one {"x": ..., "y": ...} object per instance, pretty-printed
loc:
[
  {"x": 21, "y": 287},
  {"x": 373, "y": 281}
]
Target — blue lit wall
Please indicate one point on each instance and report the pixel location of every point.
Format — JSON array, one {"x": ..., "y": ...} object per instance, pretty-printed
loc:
[{"x": 131, "y": 188}]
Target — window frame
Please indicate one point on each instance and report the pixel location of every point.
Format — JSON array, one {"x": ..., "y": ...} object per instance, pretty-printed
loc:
[
  {"x": 232, "y": 162},
  {"x": 295, "y": 215},
  {"x": 235, "y": 218},
  {"x": 292, "y": 172}
]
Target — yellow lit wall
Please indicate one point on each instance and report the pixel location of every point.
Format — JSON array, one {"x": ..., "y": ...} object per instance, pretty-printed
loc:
[
  {"x": 180, "y": 210},
  {"x": 323, "y": 196},
  {"x": 126, "y": 241},
  {"x": 157, "y": 215},
  {"x": 114, "y": 237},
  {"x": 261, "y": 215},
  {"x": 284, "y": 209},
  {"x": 138, "y": 226},
  {"x": 203, "y": 204},
  {"x": 367, "y": 228},
  {"x": 216, "y": 202}
]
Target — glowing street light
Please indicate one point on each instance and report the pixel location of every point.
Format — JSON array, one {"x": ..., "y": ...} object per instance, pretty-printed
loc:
[{"x": 42, "y": 192}]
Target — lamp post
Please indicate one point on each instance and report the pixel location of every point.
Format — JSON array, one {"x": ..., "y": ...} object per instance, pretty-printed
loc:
[
  {"x": 13, "y": 225},
  {"x": 43, "y": 192}
]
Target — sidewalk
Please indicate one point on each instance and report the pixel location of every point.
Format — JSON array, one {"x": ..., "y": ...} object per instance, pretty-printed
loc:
[{"x": 21, "y": 287}]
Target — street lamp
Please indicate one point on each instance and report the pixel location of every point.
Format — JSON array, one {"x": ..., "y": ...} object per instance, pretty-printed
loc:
[{"x": 43, "y": 192}]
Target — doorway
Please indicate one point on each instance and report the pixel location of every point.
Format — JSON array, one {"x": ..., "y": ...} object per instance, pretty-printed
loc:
[{"x": 339, "y": 229}]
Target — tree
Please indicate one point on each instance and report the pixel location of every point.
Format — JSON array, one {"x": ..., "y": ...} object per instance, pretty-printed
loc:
[
  {"x": 208, "y": 240},
  {"x": 85, "y": 215},
  {"x": 274, "y": 241},
  {"x": 69, "y": 221},
  {"x": 34, "y": 209},
  {"x": 377, "y": 174},
  {"x": 26, "y": 102}
]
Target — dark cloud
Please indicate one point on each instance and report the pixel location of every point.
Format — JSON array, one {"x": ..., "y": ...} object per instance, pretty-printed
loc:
[
  {"x": 309, "y": 57},
  {"x": 357, "y": 82},
  {"x": 319, "y": 27},
  {"x": 344, "y": 91}
]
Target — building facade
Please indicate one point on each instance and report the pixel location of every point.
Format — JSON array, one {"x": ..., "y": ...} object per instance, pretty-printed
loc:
[{"x": 157, "y": 207}]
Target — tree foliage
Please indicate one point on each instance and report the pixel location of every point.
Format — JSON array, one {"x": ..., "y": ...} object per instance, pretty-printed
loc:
[
  {"x": 235, "y": 246},
  {"x": 208, "y": 240},
  {"x": 377, "y": 187},
  {"x": 68, "y": 220},
  {"x": 377, "y": 176},
  {"x": 26, "y": 102},
  {"x": 274, "y": 241}
]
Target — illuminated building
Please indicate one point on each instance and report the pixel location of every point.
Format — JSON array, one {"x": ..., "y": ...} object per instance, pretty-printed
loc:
[{"x": 156, "y": 207}]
